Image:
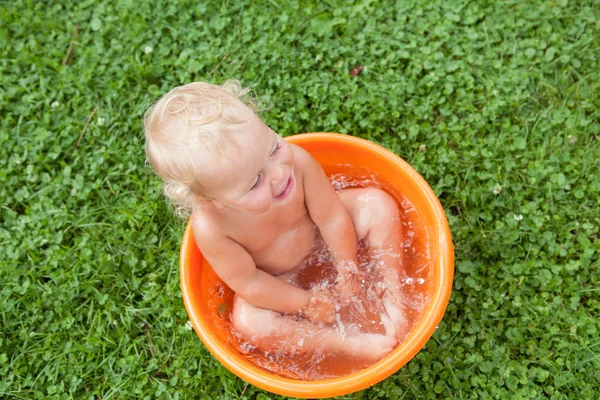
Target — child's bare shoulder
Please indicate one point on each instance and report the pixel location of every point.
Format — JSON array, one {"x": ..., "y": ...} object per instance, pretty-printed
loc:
[
  {"x": 306, "y": 166},
  {"x": 207, "y": 230},
  {"x": 303, "y": 160},
  {"x": 300, "y": 152},
  {"x": 230, "y": 261}
]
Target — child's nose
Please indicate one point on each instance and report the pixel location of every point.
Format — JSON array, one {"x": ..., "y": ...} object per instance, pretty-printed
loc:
[{"x": 277, "y": 176}]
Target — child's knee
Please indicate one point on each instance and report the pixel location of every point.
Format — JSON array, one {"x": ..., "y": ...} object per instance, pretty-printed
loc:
[
  {"x": 388, "y": 206},
  {"x": 384, "y": 216},
  {"x": 382, "y": 207}
]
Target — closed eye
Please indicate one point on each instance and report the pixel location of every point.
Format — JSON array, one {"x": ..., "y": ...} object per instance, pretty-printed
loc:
[
  {"x": 257, "y": 184},
  {"x": 276, "y": 150}
]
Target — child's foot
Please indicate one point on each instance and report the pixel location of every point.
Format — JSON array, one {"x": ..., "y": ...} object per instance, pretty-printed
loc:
[
  {"x": 370, "y": 347},
  {"x": 388, "y": 325},
  {"x": 398, "y": 322}
]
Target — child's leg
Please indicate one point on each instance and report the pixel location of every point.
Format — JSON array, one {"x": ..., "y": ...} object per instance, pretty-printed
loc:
[
  {"x": 270, "y": 330},
  {"x": 376, "y": 218}
]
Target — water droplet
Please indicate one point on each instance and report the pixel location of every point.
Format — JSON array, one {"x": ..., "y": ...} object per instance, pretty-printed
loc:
[{"x": 420, "y": 281}]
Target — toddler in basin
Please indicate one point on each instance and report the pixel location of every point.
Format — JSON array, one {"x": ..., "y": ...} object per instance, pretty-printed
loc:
[{"x": 257, "y": 206}]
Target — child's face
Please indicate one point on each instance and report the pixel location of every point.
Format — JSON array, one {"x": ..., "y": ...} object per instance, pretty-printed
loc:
[{"x": 259, "y": 175}]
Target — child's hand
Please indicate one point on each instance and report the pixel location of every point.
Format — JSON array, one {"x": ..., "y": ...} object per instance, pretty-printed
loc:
[
  {"x": 320, "y": 308},
  {"x": 346, "y": 282}
]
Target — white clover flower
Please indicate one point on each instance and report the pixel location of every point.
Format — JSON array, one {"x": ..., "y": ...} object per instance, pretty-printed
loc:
[
  {"x": 55, "y": 104},
  {"x": 148, "y": 49},
  {"x": 517, "y": 217},
  {"x": 572, "y": 139},
  {"x": 188, "y": 326},
  {"x": 422, "y": 148},
  {"x": 100, "y": 121},
  {"x": 495, "y": 92},
  {"x": 497, "y": 189}
]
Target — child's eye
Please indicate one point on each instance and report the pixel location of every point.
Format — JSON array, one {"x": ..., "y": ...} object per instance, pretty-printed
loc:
[
  {"x": 276, "y": 149},
  {"x": 257, "y": 184}
]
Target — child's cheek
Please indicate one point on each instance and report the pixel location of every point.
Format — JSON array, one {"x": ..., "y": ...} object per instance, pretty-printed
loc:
[{"x": 263, "y": 202}]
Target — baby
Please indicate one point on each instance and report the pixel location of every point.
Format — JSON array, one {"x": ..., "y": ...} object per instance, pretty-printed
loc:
[{"x": 257, "y": 204}]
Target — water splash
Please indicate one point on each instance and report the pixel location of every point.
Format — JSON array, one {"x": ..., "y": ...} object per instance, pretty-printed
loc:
[{"x": 364, "y": 311}]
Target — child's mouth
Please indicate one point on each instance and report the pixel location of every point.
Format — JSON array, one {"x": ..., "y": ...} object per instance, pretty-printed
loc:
[{"x": 287, "y": 189}]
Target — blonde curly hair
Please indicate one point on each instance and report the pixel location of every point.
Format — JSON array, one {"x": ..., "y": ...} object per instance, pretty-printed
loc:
[{"x": 187, "y": 127}]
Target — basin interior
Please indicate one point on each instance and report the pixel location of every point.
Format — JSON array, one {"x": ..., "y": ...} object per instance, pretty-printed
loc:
[{"x": 205, "y": 294}]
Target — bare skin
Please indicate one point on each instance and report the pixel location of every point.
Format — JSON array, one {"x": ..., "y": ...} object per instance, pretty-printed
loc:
[{"x": 258, "y": 220}]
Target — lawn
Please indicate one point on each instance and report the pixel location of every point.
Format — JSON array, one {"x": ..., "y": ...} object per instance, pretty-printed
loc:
[{"x": 495, "y": 103}]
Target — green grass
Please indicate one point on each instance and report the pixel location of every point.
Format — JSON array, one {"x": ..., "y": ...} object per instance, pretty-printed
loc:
[{"x": 475, "y": 95}]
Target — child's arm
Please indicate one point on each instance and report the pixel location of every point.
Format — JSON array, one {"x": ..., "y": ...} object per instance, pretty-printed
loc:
[
  {"x": 232, "y": 263},
  {"x": 327, "y": 210}
]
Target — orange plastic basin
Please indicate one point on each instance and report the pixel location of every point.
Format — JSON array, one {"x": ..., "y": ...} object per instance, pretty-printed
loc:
[{"x": 329, "y": 149}]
